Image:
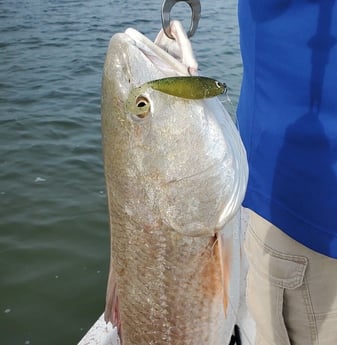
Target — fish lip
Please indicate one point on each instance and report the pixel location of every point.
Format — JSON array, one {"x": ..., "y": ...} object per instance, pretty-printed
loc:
[{"x": 157, "y": 55}]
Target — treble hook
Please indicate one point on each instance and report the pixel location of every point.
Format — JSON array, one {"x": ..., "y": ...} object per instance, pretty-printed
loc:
[{"x": 166, "y": 20}]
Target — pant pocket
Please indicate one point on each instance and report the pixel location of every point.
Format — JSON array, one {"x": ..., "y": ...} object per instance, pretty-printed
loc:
[{"x": 270, "y": 273}]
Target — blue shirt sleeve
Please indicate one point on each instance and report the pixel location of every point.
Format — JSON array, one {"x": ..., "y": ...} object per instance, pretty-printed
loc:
[{"x": 287, "y": 116}]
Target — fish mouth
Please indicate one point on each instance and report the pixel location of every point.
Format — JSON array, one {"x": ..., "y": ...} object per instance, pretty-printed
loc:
[
  {"x": 134, "y": 60},
  {"x": 161, "y": 59}
]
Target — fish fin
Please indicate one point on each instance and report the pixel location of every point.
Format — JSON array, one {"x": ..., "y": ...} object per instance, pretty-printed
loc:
[
  {"x": 225, "y": 255},
  {"x": 111, "y": 312}
]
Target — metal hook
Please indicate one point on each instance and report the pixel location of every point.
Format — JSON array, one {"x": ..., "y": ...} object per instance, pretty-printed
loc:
[{"x": 166, "y": 20}]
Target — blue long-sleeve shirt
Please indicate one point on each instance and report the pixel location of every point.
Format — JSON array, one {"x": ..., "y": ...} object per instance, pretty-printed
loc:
[{"x": 287, "y": 116}]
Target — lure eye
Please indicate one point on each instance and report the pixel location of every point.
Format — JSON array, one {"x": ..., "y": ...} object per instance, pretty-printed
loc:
[
  {"x": 142, "y": 106},
  {"x": 222, "y": 86},
  {"x": 218, "y": 84}
]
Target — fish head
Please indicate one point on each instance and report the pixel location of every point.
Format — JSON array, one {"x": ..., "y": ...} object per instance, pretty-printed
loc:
[{"x": 167, "y": 160}]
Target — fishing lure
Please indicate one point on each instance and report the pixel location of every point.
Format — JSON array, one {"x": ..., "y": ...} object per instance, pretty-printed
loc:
[{"x": 190, "y": 87}]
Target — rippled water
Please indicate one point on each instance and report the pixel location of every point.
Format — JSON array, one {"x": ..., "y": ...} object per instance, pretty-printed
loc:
[{"x": 54, "y": 237}]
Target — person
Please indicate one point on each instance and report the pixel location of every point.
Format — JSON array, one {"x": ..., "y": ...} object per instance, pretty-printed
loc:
[{"x": 287, "y": 117}]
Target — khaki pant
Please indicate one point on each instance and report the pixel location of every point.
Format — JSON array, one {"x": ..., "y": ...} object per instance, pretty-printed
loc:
[{"x": 291, "y": 290}]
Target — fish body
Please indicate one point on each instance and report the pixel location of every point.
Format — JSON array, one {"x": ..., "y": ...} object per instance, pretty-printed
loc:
[{"x": 173, "y": 182}]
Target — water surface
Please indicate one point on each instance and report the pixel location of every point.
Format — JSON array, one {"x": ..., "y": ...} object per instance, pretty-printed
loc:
[{"x": 54, "y": 237}]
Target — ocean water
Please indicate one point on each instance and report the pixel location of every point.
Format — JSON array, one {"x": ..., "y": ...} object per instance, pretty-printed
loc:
[{"x": 54, "y": 234}]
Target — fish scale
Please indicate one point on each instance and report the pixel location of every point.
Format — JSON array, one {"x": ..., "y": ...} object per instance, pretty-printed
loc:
[{"x": 157, "y": 308}]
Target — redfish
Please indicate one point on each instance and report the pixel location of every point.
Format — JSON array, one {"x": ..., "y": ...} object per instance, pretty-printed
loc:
[{"x": 176, "y": 174}]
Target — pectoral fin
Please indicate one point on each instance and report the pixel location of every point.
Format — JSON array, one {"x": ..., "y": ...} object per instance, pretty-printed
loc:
[
  {"x": 111, "y": 312},
  {"x": 225, "y": 255}
]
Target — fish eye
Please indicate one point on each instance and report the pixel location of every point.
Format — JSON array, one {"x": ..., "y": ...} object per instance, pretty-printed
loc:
[
  {"x": 141, "y": 102},
  {"x": 143, "y": 107},
  {"x": 220, "y": 85}
]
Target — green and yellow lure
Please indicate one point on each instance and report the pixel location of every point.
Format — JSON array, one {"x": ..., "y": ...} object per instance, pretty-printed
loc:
[{"x": 190, "y": 87}]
